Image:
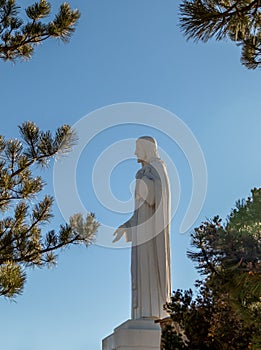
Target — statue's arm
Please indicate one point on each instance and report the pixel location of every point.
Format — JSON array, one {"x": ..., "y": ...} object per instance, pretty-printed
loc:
[
  {"x": 126, "y": 229},
  {"x": 128, "y": 226}
]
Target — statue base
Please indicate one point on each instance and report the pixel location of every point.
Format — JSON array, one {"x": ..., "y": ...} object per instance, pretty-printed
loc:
[{"x": 138, "y": 334}]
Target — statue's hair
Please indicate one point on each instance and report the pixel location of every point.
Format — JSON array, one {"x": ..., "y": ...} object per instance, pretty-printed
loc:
[{"x": 149, "y": 146}]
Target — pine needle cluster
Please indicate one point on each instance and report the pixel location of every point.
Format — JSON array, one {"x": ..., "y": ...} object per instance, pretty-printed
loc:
[
  {"x": 23, "y": 216},
  {"x": 239, "y": 21},
  {"x": 19, "y": 36}
]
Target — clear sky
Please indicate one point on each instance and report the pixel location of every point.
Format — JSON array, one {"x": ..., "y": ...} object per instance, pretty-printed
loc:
[{"x": 126, "y": 51}]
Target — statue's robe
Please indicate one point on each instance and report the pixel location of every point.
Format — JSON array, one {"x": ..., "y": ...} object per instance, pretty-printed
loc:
[{"x": 148, "y": 230}]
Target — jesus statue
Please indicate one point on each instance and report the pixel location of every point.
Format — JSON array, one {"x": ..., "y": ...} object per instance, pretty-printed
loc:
[{"x": 149, "y": 230}]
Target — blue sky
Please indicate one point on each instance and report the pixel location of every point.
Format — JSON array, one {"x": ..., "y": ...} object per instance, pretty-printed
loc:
[{"x": 126, "y": 51}]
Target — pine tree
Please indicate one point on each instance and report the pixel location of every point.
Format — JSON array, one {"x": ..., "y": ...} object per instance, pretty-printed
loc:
[
  {"x": 226, "y": 313},
  {"x": 21, "y": 32},
  {"x": 23, "y": 213},
  {"x": 233, "y": 19},
  {"x": 229, "y": 255}
]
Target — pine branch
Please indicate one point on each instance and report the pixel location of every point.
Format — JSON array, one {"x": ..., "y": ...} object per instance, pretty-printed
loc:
[
  {"x": 23, "y": 242},
  {"x": 68, "y": 235},
  {"x": 18, "y": 40},
  {"x": 201, "y": 20}
]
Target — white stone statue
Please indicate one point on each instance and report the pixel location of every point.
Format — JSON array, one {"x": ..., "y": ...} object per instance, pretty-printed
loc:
[{"x": 148, "y": 230}]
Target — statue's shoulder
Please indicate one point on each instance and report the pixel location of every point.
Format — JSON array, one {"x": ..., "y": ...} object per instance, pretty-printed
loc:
[{"x": 158, "y": 168}]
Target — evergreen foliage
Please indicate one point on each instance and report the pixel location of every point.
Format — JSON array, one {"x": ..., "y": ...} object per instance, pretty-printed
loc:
[
  {"x": 23, "y": 214},
  {"x": 239, "y": 21},
  {"x": 226, "y": 313},
  {"x": 20, "y": 33},
  {"x": 209, "y": 322}
]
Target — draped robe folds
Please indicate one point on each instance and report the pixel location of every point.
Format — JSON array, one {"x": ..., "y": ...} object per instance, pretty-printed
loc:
[{"x": 148, "y": 230}]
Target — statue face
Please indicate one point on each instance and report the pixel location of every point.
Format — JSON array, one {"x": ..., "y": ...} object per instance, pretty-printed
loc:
[{"x": 139, "y": 153}]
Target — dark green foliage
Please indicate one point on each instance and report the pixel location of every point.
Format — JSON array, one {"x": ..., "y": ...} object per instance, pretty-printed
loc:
[
  {"x": 239, "y": 21},
  {"x": 226, "y": 314},
  {"x": 23, "y": 215},
  {"x": 19, "y": 36},
  {"x": 171, "y": 339},
  {"x": 231, "y": 254},
  {"x": 209, "y": 322}
]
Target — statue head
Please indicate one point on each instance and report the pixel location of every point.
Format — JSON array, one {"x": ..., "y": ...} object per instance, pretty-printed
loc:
[{"x": 146, "y": 149}]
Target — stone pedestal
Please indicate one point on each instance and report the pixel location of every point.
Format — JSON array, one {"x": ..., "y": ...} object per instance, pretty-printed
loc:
[{"x": 142, "y": 334}]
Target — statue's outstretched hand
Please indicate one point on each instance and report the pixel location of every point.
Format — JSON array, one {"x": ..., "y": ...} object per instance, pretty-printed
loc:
[{"x": 119, "y": 233}]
